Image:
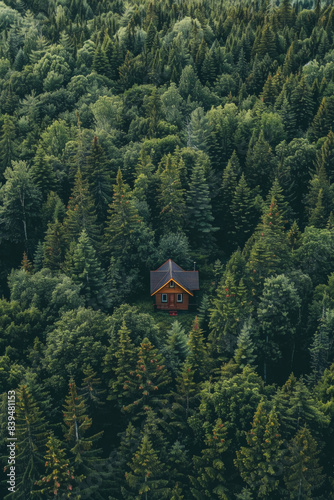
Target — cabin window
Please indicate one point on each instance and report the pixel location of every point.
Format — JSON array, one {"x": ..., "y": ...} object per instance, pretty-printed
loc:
[
  {"x": 171, "y": 284},
  {"x": 164, "y": 297},
  {"x": 179, "y": 297}
]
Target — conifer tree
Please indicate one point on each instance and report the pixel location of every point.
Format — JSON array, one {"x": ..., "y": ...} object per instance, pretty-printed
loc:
[
  {"x": 148, "y": 388},
  {"x": 323, "y": 120},
  {"x": 171, "y": 197},
  {"x": 176, "y": 349},
  {"x": 210, "y": 479},
  {"x": 43, "y": 173},
  {"x": 97, "y": 174},
  {"x": 244, "y": 353},
  {"x": 326, "y": 157},
  {"x": 185, "y": 397},
  {"x": 198, "y": 351},
  {"x": 87, "y": 272},
  {"x": 81, "y": 213},
  {"x": 128, "y": 445},
  {"x": 76, "y": 425},
  {"x": 31, "y": 435},
  {"x": 258, "y": 462},
  {"x": 7, "y": 144},
  {"x": 199, "y": 208},
  {"x": 243, "y": 213},
  {"x": 123, "y": 219},
  {"x": 54, "y": 246},
  {"x": 302, "y": 473},
  {"x": 59, "y": 479},
  {"x": 260, "y": 164},
  {"x": 90, "y": 389},
  {"x": 146, "y": 477},
  {"x": 226, "y": 195},
  {"x": 125, "y": 366}
]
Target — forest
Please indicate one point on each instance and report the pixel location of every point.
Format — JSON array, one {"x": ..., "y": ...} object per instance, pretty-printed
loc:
[{"x": 137, "y": 131}]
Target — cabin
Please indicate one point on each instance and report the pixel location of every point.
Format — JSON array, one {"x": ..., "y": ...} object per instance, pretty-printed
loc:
[{"x": 173, "y": 288}]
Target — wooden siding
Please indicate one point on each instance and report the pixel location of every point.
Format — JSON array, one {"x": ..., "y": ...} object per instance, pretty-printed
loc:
[{"x": 172, "y": 303}]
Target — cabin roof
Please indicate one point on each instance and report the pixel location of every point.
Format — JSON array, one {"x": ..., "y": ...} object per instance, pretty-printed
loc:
[{"x": 188, "y": 280}]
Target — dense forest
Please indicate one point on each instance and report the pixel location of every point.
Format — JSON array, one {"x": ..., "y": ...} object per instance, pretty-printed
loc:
[{"x": 132, "y": 132}]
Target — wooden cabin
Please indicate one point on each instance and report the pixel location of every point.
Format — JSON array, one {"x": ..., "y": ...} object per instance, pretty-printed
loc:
[{"x": 172, "y": 287}]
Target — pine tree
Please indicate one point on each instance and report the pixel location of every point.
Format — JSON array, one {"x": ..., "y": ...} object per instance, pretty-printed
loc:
[
  {"x": 198, "y": 351},
  {"x": 302, "y": 104},
  {"x": 7, "y": 144},
  {"x": 76, "y": 425},
  {"x": 31, "y": 435},
  {"x": 243, "y": 213},
  {"x": 258, "y": 462},
  {"x": 185, "y": 397},
  {"x": 128, "y": 445},
  {"x": 303, "y": 473},
  {"x": 90, "y": 389},
  {"x": 43, "y": 173},
  {"x": 319, "y": 351},
  {"x": 59, "y": 479},
  {"x": 269, "y": 253},
  {"x": 199, "y": 208},
  {"x": 87, "y": 272},
  {"x": 171, "y": 197},
  {"x": 146, "y": 475},
  {"x": 81, "y": 213},
  {"x": 260, "y": 163},
  {"x": 210, "y": 481},
  {"x": 123, "y": 219},
  {"x": 147, "y": 389},
  {"x": 54, "y": 246},
  {"x": 323, "y": 120},
  {"x": 244, "y": 353},
  {"x": 326, "y": 157},
  {"x": 97, "y": 173},
  {"x": 176, "y": 349},
  {"x": 318, "y": 214},
  {"x": 124, "y": 359}
]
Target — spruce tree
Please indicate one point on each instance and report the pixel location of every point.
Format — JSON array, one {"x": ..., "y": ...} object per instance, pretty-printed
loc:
[
  {"x": 87, "y": 272},
  {"x": 185, "y": 397},
  {"x": 244, "y": 353},
  {"x": 123, "y": 219},
  {"x": 43, "y": 173},
  {"x": 148, "y": 387},
  {"x": 171, "y": 197},
  {"x": 76, "y": 424},
  {"x": 303, "y": 473},
  {"x": 146, "y": 477},
  {"x": 59, "y": 479},
  {"x": 176, "y": 349},
  {"x": 81, "y": 213},
  {"x": 197, "y": 351},
  {"x": 54, "y": 246},
  {"x": 90, "y": 389},
  {"x": 7, "y": 144},
  {"x": 31, "y": 434},
  {"x": 258, "y": 462},
  {"x": 210, "y": 479},
  {"x": 97, "y": 173},
  {"x": 243, "y": 213},
  {"x": 260, "y": 164},
  {"x": 199, "y": 209}
]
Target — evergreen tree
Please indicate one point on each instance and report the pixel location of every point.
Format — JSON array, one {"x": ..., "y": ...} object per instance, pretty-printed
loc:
[
  {"x": 185, "y": 397},
  {"x": 31, "y": 435},
  {"x": 244, "y": 353},
  {"x": 260, "y": 164},
  {"x": 76, "y": 425},
  {"x": 59, "y": 479},
  {"x": 80, "y": 213},
  {"x": 243, "y": 213},
  {"x": 147, "y": 389},
  {"x": 258, "y": 462},
  {"x": 97, "y": 172},
  {"x": 43, "y": 173},
  {"x": 199, "y": 208},
  {"x": 326, "y": 157},
  {"x": 90, "y": 389},
  {"x": 123, "y": 219},
  {"x": 210, "y": 480},
  {"x": 87, "y": 272},
  {"x": 198, "y": 351},
  {"x": 54, "y": 246},
  {"x": 7, "y": 144},
  {"x": 303, "y": 473},
  {"x": 176, "y": 349},
  {"x": 145, "y": 479},
  {"x": 171, "y": 197},
  {"x": 323, "y": 120}
]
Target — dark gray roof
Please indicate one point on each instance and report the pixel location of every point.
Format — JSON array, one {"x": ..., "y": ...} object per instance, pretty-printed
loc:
[{"x": 169, "y": 270}]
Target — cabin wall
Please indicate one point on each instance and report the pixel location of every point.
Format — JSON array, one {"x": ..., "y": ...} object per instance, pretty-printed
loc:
[{"x": 178, "y": 306}]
